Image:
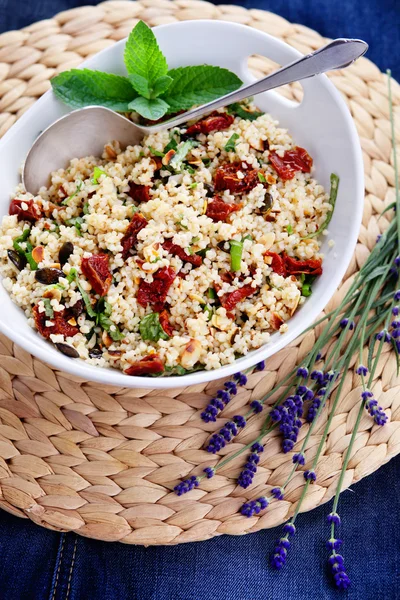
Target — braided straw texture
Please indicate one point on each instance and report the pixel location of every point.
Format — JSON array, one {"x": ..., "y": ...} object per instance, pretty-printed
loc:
[{"x": 78, "y": 456}]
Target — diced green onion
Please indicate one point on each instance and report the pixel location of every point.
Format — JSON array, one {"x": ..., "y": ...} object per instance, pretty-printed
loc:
[
  {"x": 230, "y": 145},
  {"x": 236, "y": 254},
  {"x": 261, "y": 177},
  {"x": 211, "y": 293},
  {"x": 48, "y": 308},
  {"x": 306, "y": 289},
  {"x": 28, "y": 252},
  {"x": 96, "y": 174},
  {"x": 208, "y": 311},
  {"x": 289, "y": 229},
  {"x": 78, "y": 189},
  {"x": 332, "y": 200},
  {"x": 155, "y": 152}
]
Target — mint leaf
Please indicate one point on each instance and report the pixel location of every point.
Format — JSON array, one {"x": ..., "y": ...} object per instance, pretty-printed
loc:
[
  {"x": 142, "y": 55},
  {"x": 149, "y": 109},
  {"x": 161, "y": 85},
  {"x": 197, "y": 85},
  {"x": 106, "y": 324},
  {"x": 150, "y": 328},
  {"x": 83, "y": 87},
  {"x": 140, "y": 84}
]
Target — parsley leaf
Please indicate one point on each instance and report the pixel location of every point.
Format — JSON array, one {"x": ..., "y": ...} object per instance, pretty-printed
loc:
[
  {"x": 152, "y": 109},
  {"x": 142, "y": 55},
  {"x": 83, "y": 87},
  {"x": 230, "y": 145},
  {"x": 197, "y": 85},
  {"x": 150, "y": 328}
]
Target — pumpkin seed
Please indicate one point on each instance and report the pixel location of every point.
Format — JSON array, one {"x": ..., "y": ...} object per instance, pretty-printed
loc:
[{"x": 17, "y": 260}]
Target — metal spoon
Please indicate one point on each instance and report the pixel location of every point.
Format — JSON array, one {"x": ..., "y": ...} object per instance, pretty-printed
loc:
[{"x": 84, "y": 132}]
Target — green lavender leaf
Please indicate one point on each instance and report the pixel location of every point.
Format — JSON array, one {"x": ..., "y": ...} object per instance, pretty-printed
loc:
[
  {"x": 152, "y": 109},
  {"x": 142, "y": 55},
  {"x": 83, "y": 87},
  {"x": 197, "y": 85}
]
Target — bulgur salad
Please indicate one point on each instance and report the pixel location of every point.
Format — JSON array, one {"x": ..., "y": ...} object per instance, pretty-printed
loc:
[{"x": 178, "y": 254}]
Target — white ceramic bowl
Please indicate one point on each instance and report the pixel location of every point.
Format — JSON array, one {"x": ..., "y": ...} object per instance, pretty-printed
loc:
[{"x": 321, "y": 123}]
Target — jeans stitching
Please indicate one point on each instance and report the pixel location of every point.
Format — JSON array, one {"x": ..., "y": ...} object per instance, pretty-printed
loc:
[
  {"x": 59, "y": 567},
  {"x": 71, "y": 569}
]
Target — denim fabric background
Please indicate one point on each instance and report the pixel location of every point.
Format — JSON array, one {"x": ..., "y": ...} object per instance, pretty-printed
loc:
[{"x": 37, "y": 564}]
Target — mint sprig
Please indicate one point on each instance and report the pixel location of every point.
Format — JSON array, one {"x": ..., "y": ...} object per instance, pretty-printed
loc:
[{"x": 150, "y": 89}]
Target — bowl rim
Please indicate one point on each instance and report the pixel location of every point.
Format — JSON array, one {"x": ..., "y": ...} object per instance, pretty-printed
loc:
[{"x": 115, "y": 377}]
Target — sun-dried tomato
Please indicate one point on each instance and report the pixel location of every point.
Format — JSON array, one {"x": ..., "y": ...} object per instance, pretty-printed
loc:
[
  {"x": 156, "y": 292},
  {"x": 165, "y": 324},
  {"x": 96, "y": 270},
  {"x": 285, "y": 265},
  {"x": 175, "y": 250},
  {"x": 312, "y": 266},
  {"x": 277, "y": 264},
  {"x": 214, "y": 122},
  {"x": 291, "y": 162},
  {"x": 146, "y": 366},
  {"x": 226, "y": 178},
  {"x": 229, "y": 300},
  {"x": 139, "y": 193},
  {"x": 218, "y": 210},
  {"x": 30, "y": 213},
  {"x": 60, "y": 324},
  {"x": 129, "y": 240}
]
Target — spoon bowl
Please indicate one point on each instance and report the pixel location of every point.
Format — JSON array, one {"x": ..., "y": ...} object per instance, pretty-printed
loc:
[{"x": 85, "y": 131}]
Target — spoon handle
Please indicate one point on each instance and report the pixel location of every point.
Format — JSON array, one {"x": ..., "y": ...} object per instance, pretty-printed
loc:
[{"x": 336, "y": 55}]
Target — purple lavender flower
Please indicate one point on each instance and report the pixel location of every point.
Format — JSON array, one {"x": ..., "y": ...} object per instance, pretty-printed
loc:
[
  {"x": 185, "y": 486},
  {"x": 231, "y": 387},
  {"x": 362, "y": 370},
  {"x": 277, "y": 492},
  {"x": 396, "y": 295},
  {"x": 310, "y": 476},
  {"x": 376, "y": 411},
  {"x": 395, "y": 311},
  {"x": 317, "y": 376},
  {"x": 240, "y": 378},
  {"x": 366, "y": 394},
  {"x": 278, "y": 558},
  {"x": 340, "y": 577},
  {"x": 260, "y": 366},
  {"x": 250, "y": 468},
  {"x": 209, "y": 471},
  {"x": 319, "y": 356},
  {"x": 299, "y": 458},
  {"x": 289, "y": 528},
  {"x": 334, "y": 544},
  {"x": 302, "y": 372},
  {"x": 397, "y": 261},
  {"x": 256, "y": 406},
  {"x": 347, "y": 323},
  {"x": 333, "y": 518},
  {"x": 226, "y": 434},
  {"x": 254, "y": 507}
]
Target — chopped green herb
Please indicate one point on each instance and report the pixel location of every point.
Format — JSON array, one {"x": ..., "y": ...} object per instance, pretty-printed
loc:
[
  {"x": 211, "y": 293},
  {"x": 236, "y": 254},
  {"x": 208, "y": 311},
  {"x": 141, "y": 154},
  {"x": 189, "y": 168},
  {"x": 306, "y": 289},
  {"x": 77, "y": 190},
  {"x": 106, "y": 324},
  {"x": 172, "y": 145},
  {"x": 155, "y": 152},
  {"x": 150, "y": 328},
  {"x": 156, "y": 260},
  {"x": 289, "y": 229},
  {"x": 48, "y": 309},
  {"x": 96, "y": 174},
  {"x": 75, "y": 222},
  {"x": 238, "y": 110},
  {"x": 195, "y": 239},
  {"x": 181, "y": 152},
  {"x": 193, "y": 186},
  {"x": 86, "y": 208},
  {"x": 179, "y": 222},
  {"x": 28, "y": 252},
  {"x": 72, "y": 275},
  {"x": 206, "y": 161},
  {"x": 261, "y": 177},
  {"x": 230, "y": 145},
  {"x": 247, "y": 237},
  {"x": 332, "y": 200},
  {"x": 202, "y": 252}
]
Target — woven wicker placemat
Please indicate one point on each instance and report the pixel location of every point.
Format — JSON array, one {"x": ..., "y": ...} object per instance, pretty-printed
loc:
[{"x": 76, "y": 456}]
